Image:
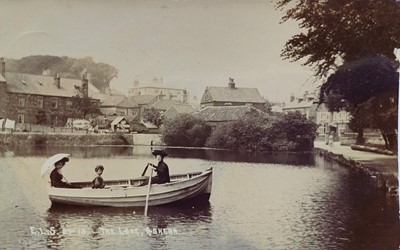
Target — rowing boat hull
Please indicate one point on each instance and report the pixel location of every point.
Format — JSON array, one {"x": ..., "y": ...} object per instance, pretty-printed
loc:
[{"x": 130, "y": 196}]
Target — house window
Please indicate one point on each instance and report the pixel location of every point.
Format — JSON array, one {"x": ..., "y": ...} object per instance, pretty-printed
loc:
[
  {"x": 54, "y": 103},
  {"x": 40, "y": 102},
  {"x": 21, "y": 102},
  {"x": 68, "y": 104},
  {"x": 21, "y": 118}
]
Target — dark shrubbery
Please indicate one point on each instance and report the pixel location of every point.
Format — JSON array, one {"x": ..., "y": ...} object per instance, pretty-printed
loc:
[
  {"x": 254, "y": 132},
  {"x": 185, "y": 130}
]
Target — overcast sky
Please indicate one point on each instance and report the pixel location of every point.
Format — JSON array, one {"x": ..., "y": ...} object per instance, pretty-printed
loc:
[{"x": 189, "y": 43}]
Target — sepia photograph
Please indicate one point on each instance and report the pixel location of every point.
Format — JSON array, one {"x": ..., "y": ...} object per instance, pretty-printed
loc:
[{"x": 199, "y": 124}]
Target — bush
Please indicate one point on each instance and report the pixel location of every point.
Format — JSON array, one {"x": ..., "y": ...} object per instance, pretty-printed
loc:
[
  {"x": 185, "y": 130},
  {"x": 292, "y": 131}
]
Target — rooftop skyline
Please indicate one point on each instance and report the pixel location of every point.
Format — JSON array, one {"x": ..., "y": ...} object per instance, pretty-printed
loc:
[{"x": 190, "y": 44}]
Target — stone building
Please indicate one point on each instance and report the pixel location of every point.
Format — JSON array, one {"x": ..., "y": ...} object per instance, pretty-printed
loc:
[
  {"x": 232, "y": 96},
  {"x": 40, "y": 99}
]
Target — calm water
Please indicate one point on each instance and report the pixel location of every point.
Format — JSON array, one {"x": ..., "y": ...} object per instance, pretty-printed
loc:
[{"x": 258, "y": 201}]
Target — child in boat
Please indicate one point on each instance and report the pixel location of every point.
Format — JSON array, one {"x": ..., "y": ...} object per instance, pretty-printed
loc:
[{"x": 98, "y": 182}]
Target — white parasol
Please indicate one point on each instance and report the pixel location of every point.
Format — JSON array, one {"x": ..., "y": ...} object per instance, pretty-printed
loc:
[{"x": 50, "y": 162}]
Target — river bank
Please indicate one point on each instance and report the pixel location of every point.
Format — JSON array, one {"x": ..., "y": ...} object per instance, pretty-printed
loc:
[{"x": 381, "y": 167}]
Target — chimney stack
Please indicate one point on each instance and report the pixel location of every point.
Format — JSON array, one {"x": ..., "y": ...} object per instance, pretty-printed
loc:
[
  {"x": 185, "y": 96},
  {"x": 231, "y": 83},
  {"x": 57, "y": 81},
  {"x": 292, "y": 97},
  {"x": 136, "y": 83},
  {"x": 85, "y": 85},
  {"x": 3, "y": 67}
]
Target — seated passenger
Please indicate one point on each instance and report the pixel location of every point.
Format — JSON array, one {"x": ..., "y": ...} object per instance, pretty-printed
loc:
[
  {"x": 98, "y": 182},
  {"x": 57, "y": 178}
]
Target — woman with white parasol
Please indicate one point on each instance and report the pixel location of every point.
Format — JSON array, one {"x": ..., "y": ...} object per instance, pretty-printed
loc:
[{"x": 56, "y": 177}]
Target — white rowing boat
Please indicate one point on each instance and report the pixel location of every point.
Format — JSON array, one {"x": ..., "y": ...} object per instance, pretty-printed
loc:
[{"x": 194, "y": 186}]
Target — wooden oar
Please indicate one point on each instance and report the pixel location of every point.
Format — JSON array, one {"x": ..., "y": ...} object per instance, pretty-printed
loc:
[
  {"x": 148, "y": 193},
  {"x": 145, "y": 169}
]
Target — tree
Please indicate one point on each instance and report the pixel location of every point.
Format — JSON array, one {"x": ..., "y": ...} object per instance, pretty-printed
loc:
[
  {"x": 101, "y": 74},
  {"x": 82, "y": 105},
  {"x": 341, "y": 30},
  {"x": 185, "y": 130},
  {"x": 41, "y": 117},
  {"x": 279, "y": 132},
  {"x": 153, "y": 116},
  {"x": 368, "y": 88},
  {"x": 244, "y": 134},
  {"x": 292, "y": 131}
]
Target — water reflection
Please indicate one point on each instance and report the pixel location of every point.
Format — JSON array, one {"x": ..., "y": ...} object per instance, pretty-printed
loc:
[
  {"x": 66, "y": 224},
  {"x": 286, "y": 158},
  {"x": 259, "y": 201}
]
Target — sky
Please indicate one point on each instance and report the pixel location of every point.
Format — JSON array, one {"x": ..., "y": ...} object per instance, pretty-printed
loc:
[{"x": 191, "y": 44}]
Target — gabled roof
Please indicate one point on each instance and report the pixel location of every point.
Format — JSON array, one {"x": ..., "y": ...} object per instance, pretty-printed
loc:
[
  {"x": 143, "y": 99},
  {"x": 43, "y": 85},
  {"x": 164, "y": 104},
  {"x": 225, "y": 113},
  {"x": 118, "y": 119},
  {"x": 183, "y": 108},
  {"x": 113, "y": 101},
  {"x": 2, "y": 78},
  {"x": 228, "y": 94},
  {"x": 103, "y": 96},
  {"x": 128, "y": 102},
  {"x": 298, "y": 104}
]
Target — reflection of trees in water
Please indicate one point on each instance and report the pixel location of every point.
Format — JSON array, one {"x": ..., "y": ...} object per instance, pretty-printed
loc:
[{"x": 290, "y": 158}]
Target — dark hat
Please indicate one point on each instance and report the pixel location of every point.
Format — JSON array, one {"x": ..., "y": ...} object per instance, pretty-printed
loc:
[
  {"x": 63, "y": 160},
  {"x": 159, "y": 152},
  {"x": 99, "y": 167}
]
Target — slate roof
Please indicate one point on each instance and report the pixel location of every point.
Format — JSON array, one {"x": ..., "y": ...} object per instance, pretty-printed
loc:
[
  {"x": 224, "y": 113},
  {"x": 128, "y": 102},
  {"x": 227, "y": 94},
  {"x": 144, "y": 99},
  {"x": 183, "y": 108},
  {"x": 113, "y": 101},
  {"x": 43, "y": 85},
  {"x": 164, "y": 104}
]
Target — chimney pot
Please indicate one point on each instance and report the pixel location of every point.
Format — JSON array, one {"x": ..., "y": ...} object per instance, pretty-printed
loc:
[
  {"x": 85, "y": 85},
  {"x": 57, "y": 81},
  {"x": 231, "y": 83},
  {"x": 3, "y": 67}
]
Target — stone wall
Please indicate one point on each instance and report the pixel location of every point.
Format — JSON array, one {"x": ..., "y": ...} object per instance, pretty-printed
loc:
[
  {"x": 64, "y": 139},
  {"x": 19, "y": 138}
]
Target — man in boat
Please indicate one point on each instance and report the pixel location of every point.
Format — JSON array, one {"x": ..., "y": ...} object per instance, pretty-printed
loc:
[
  {"x": 161, "y": 169},
  {"x": 57, "y": 178}
]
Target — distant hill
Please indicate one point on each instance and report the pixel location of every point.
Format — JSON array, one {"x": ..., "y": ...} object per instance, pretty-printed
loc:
[{"x": 100, "y": 74}]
